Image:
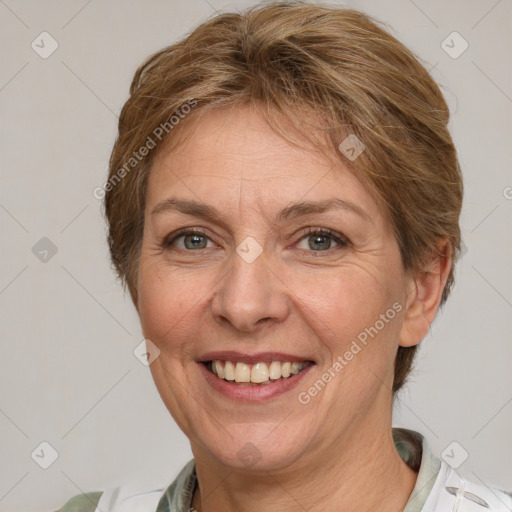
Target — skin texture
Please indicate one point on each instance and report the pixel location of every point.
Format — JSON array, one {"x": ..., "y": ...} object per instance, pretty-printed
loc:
[{"x": 335, "y": 452}]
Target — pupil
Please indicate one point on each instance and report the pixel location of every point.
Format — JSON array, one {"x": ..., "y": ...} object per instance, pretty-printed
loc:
[
  {"x": 195, "y": 241},
  {"x": 325, "y": 245}
]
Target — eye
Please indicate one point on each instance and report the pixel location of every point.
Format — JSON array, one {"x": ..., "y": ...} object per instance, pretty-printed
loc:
[
  {"x": 193, "y": 239},
  {"x": 316, "y": 240},
  {"x": 320, "y": 240}
]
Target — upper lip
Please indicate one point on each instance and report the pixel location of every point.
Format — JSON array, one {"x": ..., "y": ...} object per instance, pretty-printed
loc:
[{"x": 244, "y": 357}]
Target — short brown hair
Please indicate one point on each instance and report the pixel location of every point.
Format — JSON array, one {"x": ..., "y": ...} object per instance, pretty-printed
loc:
[{"x": 286, "y": 57}]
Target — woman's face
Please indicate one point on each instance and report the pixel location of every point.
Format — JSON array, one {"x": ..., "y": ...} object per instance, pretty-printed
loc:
[{"x": 262, "y": 284}]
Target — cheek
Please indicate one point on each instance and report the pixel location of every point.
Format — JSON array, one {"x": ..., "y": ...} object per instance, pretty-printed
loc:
[
  {"x": 349, "y": 299},
  {"x": 168, "y": 306},
  {"x": 357, "y": 318}
]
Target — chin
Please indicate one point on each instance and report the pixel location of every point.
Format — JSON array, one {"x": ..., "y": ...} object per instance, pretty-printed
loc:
[{"x": 254, "y": 447}]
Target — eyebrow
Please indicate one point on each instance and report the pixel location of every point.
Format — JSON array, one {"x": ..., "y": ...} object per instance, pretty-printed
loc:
[{"x": 199, "y": 209}]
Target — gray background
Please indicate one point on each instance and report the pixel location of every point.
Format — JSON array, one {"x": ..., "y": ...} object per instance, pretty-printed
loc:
[{"x": 68, "y": 373}]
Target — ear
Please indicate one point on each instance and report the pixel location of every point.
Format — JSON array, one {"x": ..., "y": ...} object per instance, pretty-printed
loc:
[{"x": 424, "y": 293}]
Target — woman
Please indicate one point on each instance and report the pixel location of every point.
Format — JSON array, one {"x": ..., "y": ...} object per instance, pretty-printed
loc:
[{"x": 283, "y": 204}]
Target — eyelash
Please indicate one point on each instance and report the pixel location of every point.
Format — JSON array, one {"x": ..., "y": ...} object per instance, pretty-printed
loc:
[{"x": 338, "y": 238}]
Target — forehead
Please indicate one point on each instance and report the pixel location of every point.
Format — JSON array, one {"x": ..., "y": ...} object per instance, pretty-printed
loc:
[{"x": 222, "y": 152}]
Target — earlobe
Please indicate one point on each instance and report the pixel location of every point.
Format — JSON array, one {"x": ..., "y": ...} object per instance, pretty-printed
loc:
[{"x": 424, "y": 295}]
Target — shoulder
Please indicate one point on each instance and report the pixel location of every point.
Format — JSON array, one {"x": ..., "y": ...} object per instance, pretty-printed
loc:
[
  {"x": 82, "y": 503},
  {"x": 452, "y": 491},
  {"x": 134, "y": 497},
  {"x": 127, "y": 498}
]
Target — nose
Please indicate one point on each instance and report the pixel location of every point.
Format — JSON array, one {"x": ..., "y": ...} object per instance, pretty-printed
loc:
[{"x": 251, "y": 295}]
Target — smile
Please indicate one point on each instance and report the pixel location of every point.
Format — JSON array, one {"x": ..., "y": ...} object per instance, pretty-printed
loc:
[{"x": 260, "y": 373}]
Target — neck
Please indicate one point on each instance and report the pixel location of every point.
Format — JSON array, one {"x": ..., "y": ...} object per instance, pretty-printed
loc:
[{"x": 357, "y": 472}]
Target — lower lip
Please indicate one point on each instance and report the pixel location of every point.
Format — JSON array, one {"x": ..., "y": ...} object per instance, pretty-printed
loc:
[{"x": 256, "y": 393}]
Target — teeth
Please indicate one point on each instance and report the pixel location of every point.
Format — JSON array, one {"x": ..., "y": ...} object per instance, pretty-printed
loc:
[
  {"x": 285, "y": 369},
  {"x": 295, "y": 368},
  {"x": 229, "y": 371},
  {"x": 275, "y": 370},
  {"x": 258, "y": 373},
  {"x": 218, "y": 369},
  {"x": 242, "y": 372}
]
